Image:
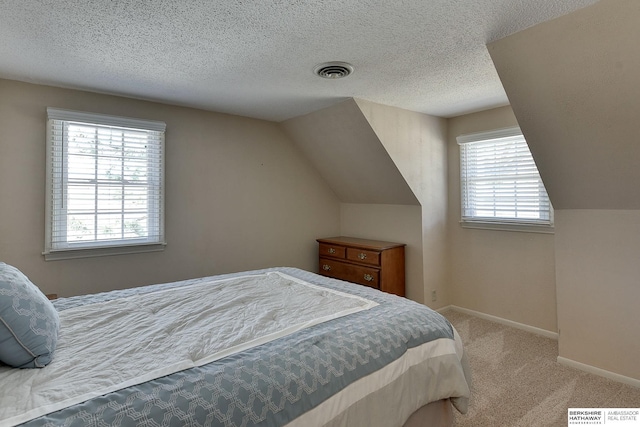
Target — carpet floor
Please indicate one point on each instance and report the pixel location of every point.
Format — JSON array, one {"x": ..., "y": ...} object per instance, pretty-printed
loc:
[{"x": 518, "y": 382}]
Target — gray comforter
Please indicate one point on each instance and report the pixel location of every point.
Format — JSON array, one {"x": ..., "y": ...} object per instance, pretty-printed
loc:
[{"x": 268, "y": 385}]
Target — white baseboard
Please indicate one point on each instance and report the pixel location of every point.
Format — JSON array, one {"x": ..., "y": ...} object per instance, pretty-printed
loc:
[
  {"x": 506, "y": 322},
  {"x": 600, "y": 372},
  {"x": 445, "y": 308},
  {"x": 538, "y": 331}
]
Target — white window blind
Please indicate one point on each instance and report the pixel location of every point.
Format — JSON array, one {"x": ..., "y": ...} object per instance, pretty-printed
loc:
[
  {"x": 105, "y": 184},
  {"x": 500, "y": 183}
]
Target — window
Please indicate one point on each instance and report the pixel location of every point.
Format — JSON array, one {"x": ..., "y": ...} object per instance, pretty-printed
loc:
[
  {"x": 500, "y": 184},
  {"x": 105, "y": 185}
]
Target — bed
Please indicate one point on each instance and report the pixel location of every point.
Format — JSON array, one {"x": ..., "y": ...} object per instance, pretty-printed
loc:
[{"x": 271, "y": 347}]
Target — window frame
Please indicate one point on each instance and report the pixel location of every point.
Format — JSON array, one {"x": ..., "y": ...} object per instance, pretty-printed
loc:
[
  {"x": 57, "y": 177},
  {"x": 503, "y": 224}
]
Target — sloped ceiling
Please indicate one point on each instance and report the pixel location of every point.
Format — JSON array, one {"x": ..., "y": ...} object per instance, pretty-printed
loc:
[
  {"x": 343, "y": 147},
  {"x": 574, "y": 86}
]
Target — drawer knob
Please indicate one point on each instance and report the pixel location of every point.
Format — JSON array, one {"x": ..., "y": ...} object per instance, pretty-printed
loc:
[
  {"x": 368, "y": 278},
  {"x": 332, "y": 251},
  {"x": 362, "y": 255},
  {"x": 326, "y": 267}
]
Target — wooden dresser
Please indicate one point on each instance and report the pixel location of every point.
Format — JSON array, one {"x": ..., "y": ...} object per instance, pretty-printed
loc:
[{"x": 371, "y": 263}]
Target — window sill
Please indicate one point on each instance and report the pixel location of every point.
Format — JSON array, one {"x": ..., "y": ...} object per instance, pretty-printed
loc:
[
  {"x": 504, "y": 226},
  {"x": 56, "y": 255}
]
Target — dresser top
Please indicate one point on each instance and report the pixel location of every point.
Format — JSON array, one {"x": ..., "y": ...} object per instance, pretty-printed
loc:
[{"x": 359, "y": 243}]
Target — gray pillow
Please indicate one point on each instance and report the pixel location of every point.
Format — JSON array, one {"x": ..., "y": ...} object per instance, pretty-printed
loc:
[{"x": 29, "y": 323}]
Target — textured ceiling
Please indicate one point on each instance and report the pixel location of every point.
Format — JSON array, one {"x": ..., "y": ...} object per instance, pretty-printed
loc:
[{"x": 256, "y": 58}]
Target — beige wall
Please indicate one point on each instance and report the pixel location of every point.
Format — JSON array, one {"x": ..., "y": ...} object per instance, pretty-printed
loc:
[
  {"x": 371, "y": 176},
  {"x": 573, "y": 84},
  {"x": 506, "y": 274},
  {"x": 340, "y": 143},
  {"x": 417, "y": 143},
  {"x": 239, "y": 195},
  {"x": 598, "y": 284},
  {"x": 395, "y": 223}
]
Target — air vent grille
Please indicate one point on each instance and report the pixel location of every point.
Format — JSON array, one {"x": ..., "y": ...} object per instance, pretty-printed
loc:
[{"x": 334, "y": 70}]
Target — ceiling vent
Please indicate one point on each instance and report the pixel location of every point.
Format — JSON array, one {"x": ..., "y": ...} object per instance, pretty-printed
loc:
[{"x": 333, "y": 70}]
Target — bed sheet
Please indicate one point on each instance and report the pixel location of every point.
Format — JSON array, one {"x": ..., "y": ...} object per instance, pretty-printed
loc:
[{"x": 338, "y": 367}]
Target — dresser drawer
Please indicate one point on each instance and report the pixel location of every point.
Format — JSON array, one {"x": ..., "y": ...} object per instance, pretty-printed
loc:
[
  {"x": 350, "y": 272},
  {"x": 334, "y": 251},
  {"x": 366, "y": 262},
  {"x": 363, "y": 256}
]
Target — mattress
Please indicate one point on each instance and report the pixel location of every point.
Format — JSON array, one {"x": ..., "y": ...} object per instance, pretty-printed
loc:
[{"x": 338, "y": 367}]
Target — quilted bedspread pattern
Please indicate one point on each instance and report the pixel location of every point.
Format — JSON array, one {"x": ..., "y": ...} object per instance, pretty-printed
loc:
[{"x": 271, "y": 384}]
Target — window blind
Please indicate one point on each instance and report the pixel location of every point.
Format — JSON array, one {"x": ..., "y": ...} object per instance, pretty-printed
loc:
[
  {"x": 105, "y": 181},
  {"x": 500, "y": 181}
]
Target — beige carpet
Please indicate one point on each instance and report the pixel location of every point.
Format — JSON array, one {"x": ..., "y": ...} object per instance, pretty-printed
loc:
[{"x": 517, "y": 381}]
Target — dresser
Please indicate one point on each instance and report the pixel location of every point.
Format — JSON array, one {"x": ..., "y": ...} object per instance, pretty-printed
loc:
[{"x": 371, "y": 263}]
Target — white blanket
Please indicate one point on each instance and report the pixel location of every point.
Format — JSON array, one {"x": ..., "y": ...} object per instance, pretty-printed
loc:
[{"x": 109, "y": 346}]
